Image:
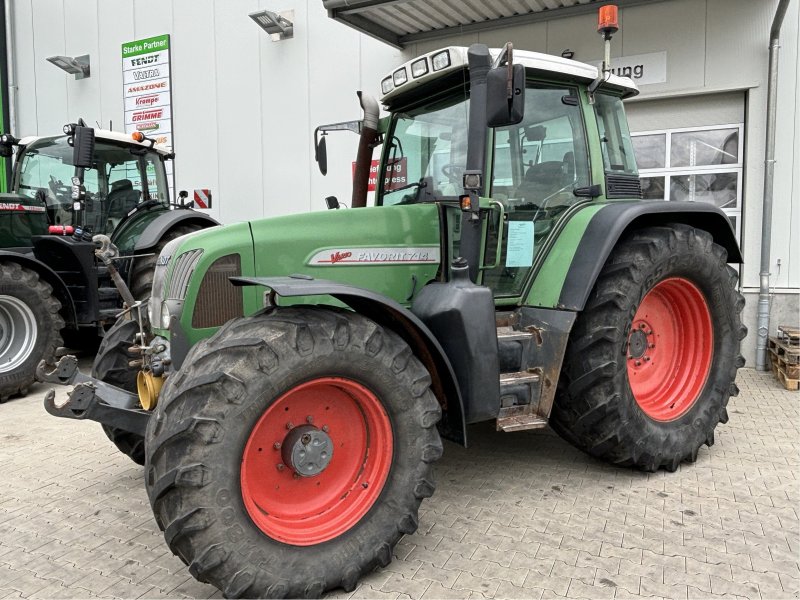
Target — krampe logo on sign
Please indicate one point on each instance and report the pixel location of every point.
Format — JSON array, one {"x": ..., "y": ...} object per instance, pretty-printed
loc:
[{"x": 148, "y": 100}]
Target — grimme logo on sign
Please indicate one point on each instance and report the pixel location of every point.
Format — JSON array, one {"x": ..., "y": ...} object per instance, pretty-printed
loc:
[{"x": 147, "y": 115}]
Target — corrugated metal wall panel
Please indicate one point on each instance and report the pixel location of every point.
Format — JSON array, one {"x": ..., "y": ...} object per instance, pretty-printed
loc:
[{"x": 691, "y": 111}]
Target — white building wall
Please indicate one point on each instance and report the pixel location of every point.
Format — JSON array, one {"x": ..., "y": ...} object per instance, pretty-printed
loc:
[{"x": 244, "y": 107}]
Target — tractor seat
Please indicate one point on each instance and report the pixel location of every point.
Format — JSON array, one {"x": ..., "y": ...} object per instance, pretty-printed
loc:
[
  {"x": 122, "y": 198},
  {"x": 541, "y": 180}
]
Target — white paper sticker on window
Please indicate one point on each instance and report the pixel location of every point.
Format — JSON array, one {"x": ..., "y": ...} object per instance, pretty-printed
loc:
[{"x": 519, "y": 249}]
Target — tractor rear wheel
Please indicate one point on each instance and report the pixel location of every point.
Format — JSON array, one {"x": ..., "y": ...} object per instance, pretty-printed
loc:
[
  {"x": 141, "y": 278},
  {"x": 111, "y": 366},
  {"x": 652, "y": 359},
  {"x": 291, "y": 452},
  {"x": 30, "y": 327}
]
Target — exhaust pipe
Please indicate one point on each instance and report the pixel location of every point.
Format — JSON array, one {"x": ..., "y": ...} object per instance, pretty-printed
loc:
[{"x": 369, "y": 135}]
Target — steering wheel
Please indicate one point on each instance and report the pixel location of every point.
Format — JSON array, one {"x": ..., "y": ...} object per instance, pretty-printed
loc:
[{"x": 454, "y": 172}]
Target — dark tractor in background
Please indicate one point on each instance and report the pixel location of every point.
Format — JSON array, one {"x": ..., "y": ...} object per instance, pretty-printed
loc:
[{"x": 53, "y": 289}]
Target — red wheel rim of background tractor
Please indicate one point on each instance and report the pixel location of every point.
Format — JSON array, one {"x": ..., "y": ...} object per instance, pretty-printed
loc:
[
  {"x": 304, "y": 511},
  {"x": 667, "y": 378}
]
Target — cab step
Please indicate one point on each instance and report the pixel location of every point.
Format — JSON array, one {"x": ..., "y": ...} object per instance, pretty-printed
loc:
[{"x": 519, "y": 417}]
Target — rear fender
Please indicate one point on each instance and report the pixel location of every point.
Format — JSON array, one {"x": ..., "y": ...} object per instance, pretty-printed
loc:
[
  {"x": 613, "y": 221},
  {"x": 156, "y": 229},
  {"x": 46, "y": 274},
  {"x": 391, "y": 315}
]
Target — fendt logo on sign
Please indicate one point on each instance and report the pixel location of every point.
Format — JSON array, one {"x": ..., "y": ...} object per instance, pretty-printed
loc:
[
  {"x": 147, "y": 115},
  {"x": 144, "y": 60},
  {"x": 147, "y": 100}
]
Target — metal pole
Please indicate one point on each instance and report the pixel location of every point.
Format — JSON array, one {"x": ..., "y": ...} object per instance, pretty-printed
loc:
[{"x": 769, "y": 178}]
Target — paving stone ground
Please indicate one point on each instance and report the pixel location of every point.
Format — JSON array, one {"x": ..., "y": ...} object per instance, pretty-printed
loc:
[{"x": 520, "y": 515}]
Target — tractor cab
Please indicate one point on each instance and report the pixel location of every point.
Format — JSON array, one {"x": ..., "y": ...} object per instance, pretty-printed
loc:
[
  {"x": 532, "y": 172},
  {"x": 124, "y": 175}
]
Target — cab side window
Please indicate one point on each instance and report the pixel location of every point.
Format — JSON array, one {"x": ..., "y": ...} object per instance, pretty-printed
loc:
[{"x": 537, "y": 166}]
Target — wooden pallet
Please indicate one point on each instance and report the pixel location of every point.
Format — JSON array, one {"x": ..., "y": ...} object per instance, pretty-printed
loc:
[
  {"x": 785, "y": 360},
  {"x": 789, "y": 335},
  {"x": 790, "y": 354},
  {"x": 790, "y": 384}
]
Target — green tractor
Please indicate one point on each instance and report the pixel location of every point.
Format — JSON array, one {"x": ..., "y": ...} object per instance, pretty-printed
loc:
[
  {"x": 66, "y": 190},
  {"x": 508, "y": 272}
]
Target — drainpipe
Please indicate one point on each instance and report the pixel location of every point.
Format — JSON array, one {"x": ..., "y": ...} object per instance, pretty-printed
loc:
[{"x": 769, "y": 177}]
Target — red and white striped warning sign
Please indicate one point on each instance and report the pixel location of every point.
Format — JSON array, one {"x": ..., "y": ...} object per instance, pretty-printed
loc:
[{"x": 202, "y": 198}]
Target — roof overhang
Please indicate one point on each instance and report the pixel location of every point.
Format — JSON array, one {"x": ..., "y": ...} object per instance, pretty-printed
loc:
[{"x": 403, "y": 22}]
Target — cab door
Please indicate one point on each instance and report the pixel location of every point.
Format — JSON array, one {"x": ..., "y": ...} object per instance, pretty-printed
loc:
[{"x": 537, "y": 166}]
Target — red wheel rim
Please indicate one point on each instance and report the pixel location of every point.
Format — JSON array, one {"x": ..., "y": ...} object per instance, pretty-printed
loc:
[
  {"x": 307, "y": 510},
  {"x": 669, "y": 349}
]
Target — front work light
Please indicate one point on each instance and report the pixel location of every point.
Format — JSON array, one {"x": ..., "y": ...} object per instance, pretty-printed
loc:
[
  {"x": 400, "y": 76},
  {"x": 441, "y": 61},
  {"x": 387, "y": 85},
  {"x": 419, "y": 68}
]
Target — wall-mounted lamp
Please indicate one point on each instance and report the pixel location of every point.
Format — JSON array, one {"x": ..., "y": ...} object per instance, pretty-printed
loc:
[
  {"x": 78, "y": 66},
  {"x": 278, "y": 26},
  {"x": 567, "y": 54}
]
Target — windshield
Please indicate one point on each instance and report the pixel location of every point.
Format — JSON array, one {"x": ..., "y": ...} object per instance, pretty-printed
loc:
[
  {"x": 426, "y": 154},
  {"x": 117, "y": 182}
]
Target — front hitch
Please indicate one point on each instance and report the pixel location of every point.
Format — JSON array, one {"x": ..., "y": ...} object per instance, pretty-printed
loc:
[{"x": 91, "y": 398}]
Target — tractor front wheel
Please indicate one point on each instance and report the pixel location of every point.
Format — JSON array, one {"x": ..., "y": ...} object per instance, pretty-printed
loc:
[
  {"x": 652, "y": 360},
  {"x": 291, "y": 452},
  {"x": 111, "y": 366},
  {"x": 30, "y": 326}
]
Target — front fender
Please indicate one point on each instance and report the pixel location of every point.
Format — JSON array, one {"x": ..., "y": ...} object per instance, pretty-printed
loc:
[
  {"x": 394, "y": 316},
  {"x": 60, "y": 290}
]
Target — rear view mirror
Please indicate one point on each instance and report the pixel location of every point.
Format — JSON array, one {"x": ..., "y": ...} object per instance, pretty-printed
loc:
[
  {"x": 321, "y": 153},
  {"x": 83, "y": 147},
  {"x": 505, "y": 90},
  {"x": 505, "y": 95}
]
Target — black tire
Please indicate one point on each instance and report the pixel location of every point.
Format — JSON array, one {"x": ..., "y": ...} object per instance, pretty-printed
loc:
[
  {"x": 30, "y": 327},
  {"x": 111, "y": 366},
  {"x": 196, "y": 438},
  {"x": 596, "y": 409},
  {"x": 141, "y": 279}
]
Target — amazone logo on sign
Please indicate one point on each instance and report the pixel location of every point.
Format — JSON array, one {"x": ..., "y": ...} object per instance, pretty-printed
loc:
[{"x": 149, "y": 86}]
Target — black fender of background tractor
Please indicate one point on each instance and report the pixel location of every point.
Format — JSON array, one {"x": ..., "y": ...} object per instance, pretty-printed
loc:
[
  {"x": 387, "y": 313},
  {"x": 47, "y": 274},
  {"x": 616, "y": 220},
  {"x": 153, "y": 233}
]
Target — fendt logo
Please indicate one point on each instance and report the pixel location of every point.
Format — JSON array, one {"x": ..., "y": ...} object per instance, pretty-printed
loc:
[
  {"x": 148, "y": 100},
  {"x": 144, "y": 60},
  {"x": 147, "y": 115}
]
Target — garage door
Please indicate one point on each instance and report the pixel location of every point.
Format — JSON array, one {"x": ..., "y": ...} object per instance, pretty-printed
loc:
[{"x": 691, "y": 149}]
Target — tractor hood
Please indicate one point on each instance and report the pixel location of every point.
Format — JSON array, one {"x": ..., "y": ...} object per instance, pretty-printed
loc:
[
  {"x": 385, "y": 249},
  {"x": 393, "y": 251}
]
